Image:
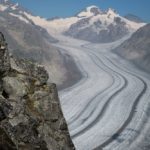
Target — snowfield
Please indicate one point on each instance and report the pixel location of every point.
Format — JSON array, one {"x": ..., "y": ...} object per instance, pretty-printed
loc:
[{"x": 108, "y": 108}]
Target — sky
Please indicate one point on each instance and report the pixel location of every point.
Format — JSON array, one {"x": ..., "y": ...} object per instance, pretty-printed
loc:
[{"x": 66, "y": 8}]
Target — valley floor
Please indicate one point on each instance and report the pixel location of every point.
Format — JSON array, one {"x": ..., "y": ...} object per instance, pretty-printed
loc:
[{"x": 109, "y": 107}]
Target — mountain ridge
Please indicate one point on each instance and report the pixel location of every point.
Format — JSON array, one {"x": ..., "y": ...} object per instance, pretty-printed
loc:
[
  {"x": 97, "y": 26},
  {"x": 65, "y": 25},
  {"x": 136, "y": 48},
  {"x": 33, "y": 42}
]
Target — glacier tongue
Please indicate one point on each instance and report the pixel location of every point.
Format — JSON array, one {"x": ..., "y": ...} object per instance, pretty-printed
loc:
[{"x": 106, "y": 109}]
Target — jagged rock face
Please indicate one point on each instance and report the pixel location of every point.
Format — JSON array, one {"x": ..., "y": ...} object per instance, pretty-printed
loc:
[
  {"x": 95, "y": 11},
  {"x": 30, "y": 112},
  {"x": 4, "y": 61}
]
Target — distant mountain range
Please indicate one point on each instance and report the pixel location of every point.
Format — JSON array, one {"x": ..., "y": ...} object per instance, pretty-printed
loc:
[
  {"x": 91, "y": 24},
  {"x": 137, "y": 48}
]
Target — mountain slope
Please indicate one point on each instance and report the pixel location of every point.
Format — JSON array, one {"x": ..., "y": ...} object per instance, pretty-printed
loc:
[
  {"x": 137, "y": 48},
  {"x": 19, "y": 12},
  {"x": 33, "y": 42}
]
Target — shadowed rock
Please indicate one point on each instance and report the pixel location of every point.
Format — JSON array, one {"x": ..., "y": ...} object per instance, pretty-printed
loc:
[
  {"x": 30, "y": 113},
  {"x": 4, "y": 56}
]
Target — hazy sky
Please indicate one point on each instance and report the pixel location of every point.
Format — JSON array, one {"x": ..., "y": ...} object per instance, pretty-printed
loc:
[{"x": 64, "y": 8}]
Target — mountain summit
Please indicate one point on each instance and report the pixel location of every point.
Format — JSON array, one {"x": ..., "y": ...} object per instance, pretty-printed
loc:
[
  {"x": 89, "y": 11},
  {"x": 8, "y": 5},
  {"x": 99, "y": 26}
]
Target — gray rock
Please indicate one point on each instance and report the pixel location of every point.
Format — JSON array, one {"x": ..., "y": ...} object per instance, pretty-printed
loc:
[
  {"x": 5, "y": 108},
  {"x": 27, "y": 67},
  {"x": 30, "y": 113},
  {"x": 95, "y": 11},
  {"x": 4, "y": 56},
  {"x": 14, "y": 87}
]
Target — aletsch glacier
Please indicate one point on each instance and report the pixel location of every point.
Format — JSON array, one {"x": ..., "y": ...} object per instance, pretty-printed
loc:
[
  {"x": 109, "y": 107},
  {"x": 110, "y": 102}
]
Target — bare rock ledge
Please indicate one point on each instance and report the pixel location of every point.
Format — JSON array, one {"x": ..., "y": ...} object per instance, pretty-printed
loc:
[{"x": 30, "y": 114}]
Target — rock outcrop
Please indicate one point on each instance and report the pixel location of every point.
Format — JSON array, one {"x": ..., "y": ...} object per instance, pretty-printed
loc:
[{"x": 30, "y": 112}]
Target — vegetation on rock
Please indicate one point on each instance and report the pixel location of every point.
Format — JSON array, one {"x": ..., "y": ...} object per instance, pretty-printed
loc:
[{"x": 30, "y": 112}]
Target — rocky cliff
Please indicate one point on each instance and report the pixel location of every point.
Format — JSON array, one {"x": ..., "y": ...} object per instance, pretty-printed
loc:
[{"x": 30, "y": 112}]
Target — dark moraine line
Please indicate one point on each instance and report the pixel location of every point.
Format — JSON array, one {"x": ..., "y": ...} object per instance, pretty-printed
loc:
[
  {"x": 90, "y": 102},
  {"x": 105, "y": 105},
  {"x": 116, "y": 135}
]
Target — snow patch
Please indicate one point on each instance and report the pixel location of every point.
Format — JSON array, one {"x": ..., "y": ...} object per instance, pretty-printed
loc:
[
  {"x": 87, "y": 12},
  {"x": 20, "y": 17},
  {"x": 61, "y": 25},
  {"x": 14, "y": 7},
  {"x": 54, "y": 26},
  {"x": 3, "y": 8},
  {"x": 36, "y": 19}
]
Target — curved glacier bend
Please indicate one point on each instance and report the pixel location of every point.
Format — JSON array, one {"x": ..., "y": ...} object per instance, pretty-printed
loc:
[{"x": 107, "y": 109}]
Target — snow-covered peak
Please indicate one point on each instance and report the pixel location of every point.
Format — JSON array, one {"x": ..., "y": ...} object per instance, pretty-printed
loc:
[
  {"x": 7, "y": 5},
  {"x": 90, "y": 11},
  {"x": 91, "y": 7},
  {"x": 4, "y": 4},
  {"x": 15, "y": 10},
  {"x": 4, "y": 1},
  {"x": 91, "y": 17},
  {"x": 14, "y": 7},
  {"x": 112, "y": 12}
]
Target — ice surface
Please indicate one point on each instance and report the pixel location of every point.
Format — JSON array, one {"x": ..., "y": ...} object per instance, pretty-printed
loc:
[{"x": 108, "y": 105}]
